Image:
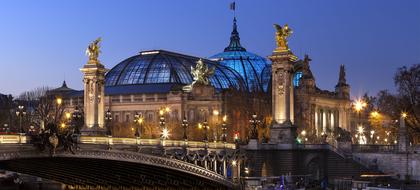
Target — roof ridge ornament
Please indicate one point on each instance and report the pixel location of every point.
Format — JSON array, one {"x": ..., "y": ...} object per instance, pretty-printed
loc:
[{"x": 93, "y": 50}]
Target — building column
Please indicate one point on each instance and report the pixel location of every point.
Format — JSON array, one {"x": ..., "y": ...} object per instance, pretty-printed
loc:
[{"x": 224, "y": 168}]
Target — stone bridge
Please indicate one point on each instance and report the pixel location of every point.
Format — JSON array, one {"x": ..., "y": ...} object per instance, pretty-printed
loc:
[{"x": 105, "y": 162}]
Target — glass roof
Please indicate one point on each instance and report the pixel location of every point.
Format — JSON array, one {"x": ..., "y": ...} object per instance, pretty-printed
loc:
[
  {"x": 266, "y": 78},
  {"x": 247, "y": 64},
  {"x": 153, "y": 67}
]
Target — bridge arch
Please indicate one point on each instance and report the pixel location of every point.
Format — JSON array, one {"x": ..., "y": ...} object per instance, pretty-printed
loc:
[{"x": 135, "y": 168}]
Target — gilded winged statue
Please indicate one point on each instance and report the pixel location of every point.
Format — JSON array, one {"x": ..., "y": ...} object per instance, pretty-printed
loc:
[
  {"x": 93, "y": 50},
  {"x": 201, "y": 73},
  {"x": 282, "y": 33}
]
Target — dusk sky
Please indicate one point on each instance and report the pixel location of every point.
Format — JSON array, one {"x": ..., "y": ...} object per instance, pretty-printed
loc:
[{"x": 43, "y": 42}]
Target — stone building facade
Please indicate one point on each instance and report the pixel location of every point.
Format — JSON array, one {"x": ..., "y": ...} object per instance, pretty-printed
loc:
[{"x": 242, "y": 84}]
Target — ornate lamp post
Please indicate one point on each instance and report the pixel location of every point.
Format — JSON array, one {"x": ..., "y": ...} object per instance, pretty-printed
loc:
[
  {"x": 304, "y": 138},
  {"x": 20, "y": 112},
  {"x": 216, "y": 127},
  {"x": 358, "y": 106},
  {"x": 254, "y": 122},
  {"x": 162, "y": 124},
  {"x": 108, "y": 120},
  {"x": 224, "y": 130},
  {"x": 138, "y": 120},
  {"x": 206, "y": 128},
  {"x": 185, "y": 127},
  {"x": 77, "y": 117}
]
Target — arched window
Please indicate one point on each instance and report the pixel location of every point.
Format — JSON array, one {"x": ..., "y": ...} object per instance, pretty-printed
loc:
[{"x": 296, "y": 78}]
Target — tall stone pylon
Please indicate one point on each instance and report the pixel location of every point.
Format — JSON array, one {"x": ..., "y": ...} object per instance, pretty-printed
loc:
[
  {"x": 403, "y": 142},
  {"x": 94, "y": 92},
  {"x": 282, "y": 130}
]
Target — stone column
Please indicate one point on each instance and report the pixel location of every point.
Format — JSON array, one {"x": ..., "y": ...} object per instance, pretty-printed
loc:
[
  {"x": 402, "y": 135},
  {"x": 224, "y": 168},
  {"x": 282, "y": 130},
  {"x": 94, "y": 93}
]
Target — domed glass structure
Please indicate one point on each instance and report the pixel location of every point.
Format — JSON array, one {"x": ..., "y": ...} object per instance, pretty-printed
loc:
[
  {"x": 248, "y": 65},
  {"x": 164, "y": 67},
  {"x": 266, "y": 78}
]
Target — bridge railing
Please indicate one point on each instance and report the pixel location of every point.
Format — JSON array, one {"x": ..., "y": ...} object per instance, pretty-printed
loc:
[
  {"x": 369, "y": 148},
  {"x": 22, "y": 139},
  {"x": 14, "y": 139}
]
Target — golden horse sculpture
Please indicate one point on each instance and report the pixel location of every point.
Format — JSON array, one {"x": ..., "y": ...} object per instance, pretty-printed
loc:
[
  {"x": 93, "y": 50},
  {"x": 282, "y": 33}
]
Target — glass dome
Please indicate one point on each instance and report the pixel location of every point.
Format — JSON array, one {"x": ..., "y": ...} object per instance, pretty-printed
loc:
[
  {"x": 155, "y": 67},
  {"x": 247, "y": 64},
  {"x": 266, "y": 78}
]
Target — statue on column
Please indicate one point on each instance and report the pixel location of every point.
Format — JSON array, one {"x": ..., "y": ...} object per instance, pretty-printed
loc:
[
  {"x": 93, "y": 50},
  {"x": 201, "y": 73},
  {"x": 282, "y": 33}
]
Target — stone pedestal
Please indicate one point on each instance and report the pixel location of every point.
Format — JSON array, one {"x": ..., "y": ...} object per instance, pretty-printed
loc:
[
  {"x": 253, "y": 144},
  {"x": 284, "y": 133},
  {"x": 93, "y": 131}
]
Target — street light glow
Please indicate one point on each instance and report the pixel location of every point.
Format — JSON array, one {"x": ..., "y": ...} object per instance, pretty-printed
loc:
[
  {"x": 374, "y": 114},
  {"x": 165, "y": 133},
  {"x": 359, "y": 105},
  {"x": 216, "y": 112},
  {"x": 68, "y": 115},
  {"x": 59, "y": 101}
]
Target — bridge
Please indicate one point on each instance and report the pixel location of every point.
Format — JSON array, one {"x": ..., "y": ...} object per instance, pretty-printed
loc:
[
  {"x": 192, "y": 164},
  {"x": 134, "y": 161}
]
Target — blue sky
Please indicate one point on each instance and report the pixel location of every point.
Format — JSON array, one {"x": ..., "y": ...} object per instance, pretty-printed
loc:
[{"x": 43, "y": 42}]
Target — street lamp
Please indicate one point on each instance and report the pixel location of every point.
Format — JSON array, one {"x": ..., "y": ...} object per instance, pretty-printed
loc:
[
  {"x": 206, "y": 128},
  {"x": 361, "y": 132},
  {"x": 162, "y": 124},
  {"x": 138, "y": 119},
  {"x": 372, "y": 132},
  {"x": 59, "y": 101},
  {"x": 216, "y": 128},
  {"x": 108, "y": 119},
  {"x": 358, "y": 106},
  {"x": 224, "y": 129},
  {"x": 185, "y": 127},
  {"x": 20, "y": 112},
  {"x": 77, "y": 116},
  {"x": 303, "y": 133},
  {"x": 254, "y": 122}
]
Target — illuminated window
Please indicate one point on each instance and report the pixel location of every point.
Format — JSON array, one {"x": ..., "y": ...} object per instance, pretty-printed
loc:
[{"x": 296, "y": 78}]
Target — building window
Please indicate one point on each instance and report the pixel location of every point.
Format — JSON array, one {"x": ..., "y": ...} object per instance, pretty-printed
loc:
[
  {"x": 127, "y": 118},
  {"x": 296, "y": 78},
  {"x": 117, "y": 118}
]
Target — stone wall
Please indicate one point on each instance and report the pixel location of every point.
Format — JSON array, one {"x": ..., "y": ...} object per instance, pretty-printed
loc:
[{"x": 394, "y": 163}]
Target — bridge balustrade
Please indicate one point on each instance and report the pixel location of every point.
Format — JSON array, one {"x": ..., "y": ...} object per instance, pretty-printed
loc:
[
  {"x": 370, "y": 148},
  {"x": 213, "y": 157},
  {"x": 16, "y": 139}
]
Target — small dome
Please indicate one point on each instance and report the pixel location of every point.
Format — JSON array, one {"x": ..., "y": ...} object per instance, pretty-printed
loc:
[
  {"x": 157, "y": 67},
  {"x": 247, "y": 64}
]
